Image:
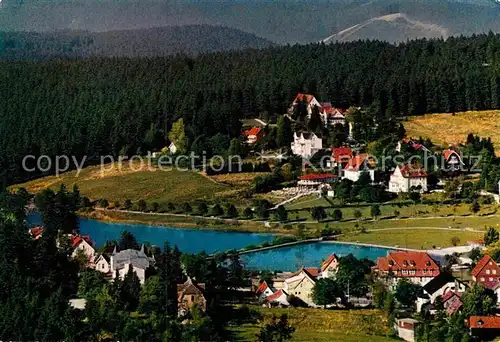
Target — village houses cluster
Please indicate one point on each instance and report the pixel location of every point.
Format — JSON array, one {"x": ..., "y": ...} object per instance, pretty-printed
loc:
[
  {"x": 416, "y": 267},
  {"x": 348, "y": 159},
  {"x": 116, "y": 264}
]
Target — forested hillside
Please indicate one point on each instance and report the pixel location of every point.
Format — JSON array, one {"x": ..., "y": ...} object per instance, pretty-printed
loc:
[
  {"x": 158, "y": 41},
  {"x": 123, "y": 106},
  {"x": 281, "y": 21}
]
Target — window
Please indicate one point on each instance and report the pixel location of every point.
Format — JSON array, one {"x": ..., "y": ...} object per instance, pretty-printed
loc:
[
  {"x": 482, "y": 279},
  {"x": 490, "y": 279},
  {"x": 487, "y": 271},
  {"x": 192, "y": 298},
  {"x": 494, "y": 271}
]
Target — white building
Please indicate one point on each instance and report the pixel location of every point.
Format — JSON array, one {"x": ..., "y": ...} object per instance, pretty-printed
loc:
[
  {"x": 301, "y": 284},
  {"x": 309, "y": 100},
  {"x": 416, "y": 267},
  {"x": 408, "y": 176},
  {"x": 330, "y": 267},
  {"x": 172, "y": 148},
  {"x": 443, "y": 284},
  {"x": 84, "y": 244},
  {"x": 357, "y": 165},
  {"x": 102, "y": 264},
  {"x": 405, "y": 328},
  {"x": 119, "y": 263},
  {"x": 306, "y": 144}
]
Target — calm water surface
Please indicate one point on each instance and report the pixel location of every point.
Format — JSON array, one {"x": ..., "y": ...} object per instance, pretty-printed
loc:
[
  {"x": 194, "y": 241},
  {"x": 188, "y": 240},
  {"x": 308, "y": 255}
]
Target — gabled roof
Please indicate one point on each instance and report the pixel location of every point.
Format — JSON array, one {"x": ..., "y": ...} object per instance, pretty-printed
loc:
[
  {"x": 448, "y": 153},
  {"x": 103, "y": 256},
  {"x": 438, "y": 282},
  {"x": 36, "y": 232},
  {"x": 262, "y": 287},
  {"x": 484, "y": 322},
  {"x": 307, "y": 98},
  {"x": 481, "y": 264},
  {"x": 342, "y": 154},
  {"x": 190, "y": 288},
  {"x": 357, "y": 162},
  {"x": 276, "y": 295},
  {"x": 313, "y": 272},
  {"x": 328, "y": 261},
  {"x": 130, "y": 256},
  {"x": 77, "y": 239},
  {"x": 408, "y": 261},
  {"x": 252, "y": 131},
  {"x": 452, "y": 302},
  {"x": 412, "y": 171},
  {"x": 317, "y": 176}
]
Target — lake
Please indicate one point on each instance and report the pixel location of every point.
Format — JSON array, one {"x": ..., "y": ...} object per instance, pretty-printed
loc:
[
  {"x": 308, "y": 255},
  {"x": 211, "y": 241},
  {"x": 188, "y": 240}
]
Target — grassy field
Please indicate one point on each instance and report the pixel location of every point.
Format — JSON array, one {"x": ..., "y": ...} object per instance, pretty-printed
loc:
[
  {"x": 445, "y": 129},
  {"x": 303, "y": 206},
  {"x": 138, "y": 183},
  {"x": 183, "y": 221},
  {"x": 324, "y": 325},
  {"x": 413, "y": 238}
]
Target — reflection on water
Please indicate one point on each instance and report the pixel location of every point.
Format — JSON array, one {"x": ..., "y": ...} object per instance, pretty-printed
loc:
[
  {"x": 307, "y": 255},
  {"x": 188, "y": 240}
]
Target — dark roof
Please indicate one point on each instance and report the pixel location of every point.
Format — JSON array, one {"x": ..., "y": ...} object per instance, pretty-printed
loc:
[{"x": 438, "y": 282}]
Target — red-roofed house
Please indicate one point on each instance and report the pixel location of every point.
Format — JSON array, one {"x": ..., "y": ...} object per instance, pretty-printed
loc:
[
  {"x": 36, "y": 232},
  {"x": 330, "y": 115},
  {"x": 487, "y": 273},
  {"x": 330, "y": 267},
  {"x": 253, "y": 135},
  {"x": 309, "y": 100},
  {"x": 417, "y": 267},
  {"x": 405, "y": 328},
  {"x": 341, "y": 155},
  {"x": 316, "y": 181},
  {"x": 485, "y": 327},
  {"x": 279, "y": 298},
  {"x": 264, "y": 290},
  {"x": 359, "y": 164},
  {"x": 410, "y": 143},
  {"x": 83, "y": 243},
  {"x": 408, "y": 176},
  {"x": 452, "y": 302},
  {"x": 452, "y": 159},
  {"x": 301, "y": 283}
]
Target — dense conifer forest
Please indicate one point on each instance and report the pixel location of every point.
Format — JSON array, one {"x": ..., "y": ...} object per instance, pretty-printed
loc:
[
  {"x": 158, "y": 41},
  {"x": 125, "y": 105}
]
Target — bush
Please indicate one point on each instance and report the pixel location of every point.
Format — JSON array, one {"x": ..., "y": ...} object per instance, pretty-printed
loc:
[
  {"x": 248, "y": 213},
  {"x": 155, "y": 206},
  {"x": 127, "y": 204},
  {"x": 186, "y": 208},
  {"x": 116, "y": 205},
  {"x": 103, "y": 203},
  {"x": 170, "y": 207},
  {"x": 142, "y": 205},
  {"x": 455, "y": 240}
]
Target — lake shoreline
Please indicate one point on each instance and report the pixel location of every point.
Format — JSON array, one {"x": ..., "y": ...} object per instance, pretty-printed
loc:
[{"x": 181, "y": 222}]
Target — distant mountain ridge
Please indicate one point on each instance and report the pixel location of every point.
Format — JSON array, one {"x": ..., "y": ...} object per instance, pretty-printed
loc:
[
  {"x": 160, "y": 41},
  {"x": 395, "y": 27},
  {"x": 279, "y": 21}
]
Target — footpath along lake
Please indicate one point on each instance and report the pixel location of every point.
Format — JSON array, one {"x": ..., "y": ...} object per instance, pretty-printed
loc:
[{"x": 196, "y": 240}]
